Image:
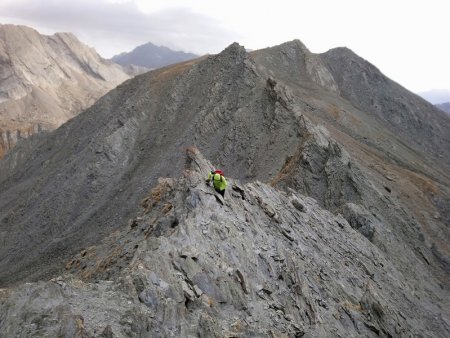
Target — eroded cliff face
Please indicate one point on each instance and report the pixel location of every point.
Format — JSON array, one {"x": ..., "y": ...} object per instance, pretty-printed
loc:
[
  {"x": 9, "y": 138},
  {"x": 259, "y": 263},
  {"x": 45, "y": 80}
]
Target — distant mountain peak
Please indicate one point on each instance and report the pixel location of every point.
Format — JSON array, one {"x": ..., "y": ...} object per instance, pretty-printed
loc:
[
  {"x": 444, "y": 106},
  {"x": 152, "y": 56}
]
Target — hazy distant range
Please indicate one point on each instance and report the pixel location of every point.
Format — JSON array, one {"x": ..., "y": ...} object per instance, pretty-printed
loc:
[{"x": 444, "y": 106}]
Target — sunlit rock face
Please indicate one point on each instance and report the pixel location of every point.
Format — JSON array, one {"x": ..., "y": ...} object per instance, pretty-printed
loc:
[{"x": 46, "y": 80}]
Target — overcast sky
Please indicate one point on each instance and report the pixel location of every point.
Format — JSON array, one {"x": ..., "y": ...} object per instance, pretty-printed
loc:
[{"x": 408, "y": 40}]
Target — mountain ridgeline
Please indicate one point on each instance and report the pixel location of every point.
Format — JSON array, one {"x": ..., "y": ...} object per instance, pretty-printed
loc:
[{"x": 347, "y": 236}]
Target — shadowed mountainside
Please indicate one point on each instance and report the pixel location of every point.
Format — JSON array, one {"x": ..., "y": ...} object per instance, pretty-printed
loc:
[{"x": 328, "y": 126}]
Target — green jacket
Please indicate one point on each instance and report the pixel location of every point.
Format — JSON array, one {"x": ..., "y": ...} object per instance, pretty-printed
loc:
[{"x": 220, "y": 183}]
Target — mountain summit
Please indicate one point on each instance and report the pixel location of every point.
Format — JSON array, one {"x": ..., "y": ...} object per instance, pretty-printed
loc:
[
  {"x": 335, "y": 220},
  {"x": 46, "y": 80}
]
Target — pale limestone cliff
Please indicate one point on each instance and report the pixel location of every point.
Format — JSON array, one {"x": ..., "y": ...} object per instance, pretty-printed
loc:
[{"x": 46, "y": 80}]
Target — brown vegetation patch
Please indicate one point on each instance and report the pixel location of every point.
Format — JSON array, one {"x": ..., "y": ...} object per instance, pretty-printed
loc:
[
  {"x": 174, "y": 70},
  {"x": 104, "y": 264},
  {"x": 347, "y": 305},
  {"x": 167, "y": 207},
  {"x": 4, "y": 293},
  {"x": 335, "y": 112},
  {"x": 290, "y": 165},
  {"x": 157, "y": 194},
  {"x": 85, "y": 254},
  {"x": 423, "y": 183}
]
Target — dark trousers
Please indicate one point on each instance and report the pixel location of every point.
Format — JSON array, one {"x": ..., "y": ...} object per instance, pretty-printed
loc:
[{"x": 222, "y": 192}]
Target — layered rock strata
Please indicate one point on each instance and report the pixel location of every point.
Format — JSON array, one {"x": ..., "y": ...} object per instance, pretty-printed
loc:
[
  {"x": 46, "y": 80},
  {"x": 259, "y": 263}
]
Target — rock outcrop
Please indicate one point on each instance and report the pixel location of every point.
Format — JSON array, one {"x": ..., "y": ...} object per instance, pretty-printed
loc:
[
  {"x": 255, "y": 264},
  {"x": 283, "y": 116},
  {"x": 46, "y": 80}
]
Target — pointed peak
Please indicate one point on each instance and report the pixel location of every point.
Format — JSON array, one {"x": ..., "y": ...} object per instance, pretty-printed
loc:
[
  {"x": 296, "y": 43},
  {"x": 346, "y": 55},
  {"x": 233, "y": 54},
  {"x": 235, "y": 46},
  {"x": 234, "y": 49},
  {"x": 293, "y": 46}
]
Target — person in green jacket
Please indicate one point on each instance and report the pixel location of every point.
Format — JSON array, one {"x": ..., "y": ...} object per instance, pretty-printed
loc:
[{"x": 219, "y": 181}]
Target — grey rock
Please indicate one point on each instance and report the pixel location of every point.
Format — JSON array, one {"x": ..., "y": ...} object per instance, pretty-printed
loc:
[
  {"x": 360, "y": 219},
  {"x": 305, "y": 134},
  {"x": 72, "y": 326},
  {"x": 107, "y": 332},
  {"x": 298, "y": 205},
  {"x": 109, "y": 167},
  {"x": 309, "y": 288},
  {"x": 149, "y": 298}
]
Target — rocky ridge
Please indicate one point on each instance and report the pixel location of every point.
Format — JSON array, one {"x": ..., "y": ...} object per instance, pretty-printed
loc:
[
  {"x": 281, "y": 115},
  {"x": 259, "y": 263},
  {"x": 46, "y": 80}
]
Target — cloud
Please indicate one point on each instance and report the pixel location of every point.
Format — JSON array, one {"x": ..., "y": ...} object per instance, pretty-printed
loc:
[
  {"x": 116, "y": 26},
  {"x": 410, "y": 48}
]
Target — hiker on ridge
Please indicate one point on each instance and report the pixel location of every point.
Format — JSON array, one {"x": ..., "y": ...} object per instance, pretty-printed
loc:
[{"x": 219, "y": 181}]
